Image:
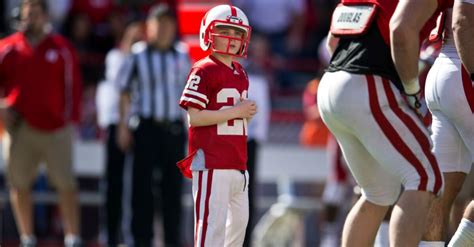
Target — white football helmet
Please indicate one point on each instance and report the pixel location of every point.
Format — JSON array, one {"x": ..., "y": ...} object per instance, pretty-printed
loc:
[{"x": 224, "y": 15}]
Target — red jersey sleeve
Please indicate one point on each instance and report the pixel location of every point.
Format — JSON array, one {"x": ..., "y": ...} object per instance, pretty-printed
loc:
[{"x": 196, "y": 91}]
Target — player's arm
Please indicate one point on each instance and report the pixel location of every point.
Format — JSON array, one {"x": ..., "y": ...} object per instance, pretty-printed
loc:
[
  {"x": 405, "y": 25},
  {"x": 124, "y": 82},
  {"x": 463, "y": 28},
  {"x": 296, "y": 31},
  {"x": 244, "y": 109},
  {"x": 124, "y": 135},
  {"x": 124, "y": 108}
]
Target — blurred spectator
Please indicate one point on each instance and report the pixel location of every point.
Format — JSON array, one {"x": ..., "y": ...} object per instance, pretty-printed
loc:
[
  {"x": 58, "y": 11},
  {"x": 338, "y": 180},
  {"x": 117, "y": 23},
  {"x": 145, "y": 5},
  {"x": 108, "y": 93},
  {"x": 314, "y": 132},
  {"x": 337, "y": 190},
  {"x": 97, "y": 10},
  {"x": 88, "y": 127},
  {"x": 11, "y": 12},
  {"x": 258, "y": 126},
  {"x": 41, "y": 82},
  {"x": 100, "y": 13},
  {"x": 317, "y": 23},
  {"x": 152, "y": 80},
  {"x": 90, "y": 49},
  {"x": 337, "y": 195},
  {"x": 282, "y": 22},
  {"x": 81, "y": 32}
]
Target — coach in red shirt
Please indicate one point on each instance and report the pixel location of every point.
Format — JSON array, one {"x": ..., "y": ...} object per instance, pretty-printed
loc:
[{"x": 41, "y": 85}]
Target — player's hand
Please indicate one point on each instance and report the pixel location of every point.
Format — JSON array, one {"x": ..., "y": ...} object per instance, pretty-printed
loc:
[
  {"x": 124, "y": 137},
  {"x": 414, "y": 101},
  {"x": 412, "y": 93},
  {"x": 246, "y": 109}
]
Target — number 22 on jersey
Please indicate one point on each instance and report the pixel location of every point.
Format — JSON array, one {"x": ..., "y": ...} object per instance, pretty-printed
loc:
[{"x": 239, "y": 126}]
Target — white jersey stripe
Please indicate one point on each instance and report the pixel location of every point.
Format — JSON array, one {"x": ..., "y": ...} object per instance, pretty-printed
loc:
[
  {"x": 197, "y": 94},
  {"x": 184, "y": 98}
]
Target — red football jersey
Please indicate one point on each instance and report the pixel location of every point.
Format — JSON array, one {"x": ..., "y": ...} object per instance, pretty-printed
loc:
[
  {"x": 214, "y": 86},
  {"x": 386, "y": 8},
  {"x": 42, "y": 83}
]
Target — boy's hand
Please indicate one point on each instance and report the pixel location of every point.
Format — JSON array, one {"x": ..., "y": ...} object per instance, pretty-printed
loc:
[{"x": 246, "y": 109}]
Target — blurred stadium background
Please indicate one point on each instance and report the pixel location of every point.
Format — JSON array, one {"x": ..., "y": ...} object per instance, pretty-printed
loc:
[{"x": 284, "y": 164}]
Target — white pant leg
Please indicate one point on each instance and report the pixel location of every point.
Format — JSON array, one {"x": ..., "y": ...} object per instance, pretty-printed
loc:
[
  {"x": 238, "y": 212},
  {"x": 211, "y": 193},
  {"x": 450, "y": 97},
  {"x": 369, "y": 118},
  {"x": 378, "y": 185},
  {"x": 221, "y": 207},
  {"x": 448, "y": 145}
]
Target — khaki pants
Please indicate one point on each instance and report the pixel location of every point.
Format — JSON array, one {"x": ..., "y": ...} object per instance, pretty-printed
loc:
[{"x": 24, "y": 148}]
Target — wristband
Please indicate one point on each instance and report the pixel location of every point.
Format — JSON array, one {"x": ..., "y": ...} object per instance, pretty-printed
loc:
[{"x": 412, "y": 87}]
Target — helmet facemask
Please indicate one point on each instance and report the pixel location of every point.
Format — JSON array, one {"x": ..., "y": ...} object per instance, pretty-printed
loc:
[{"x": 212, "y": 34}]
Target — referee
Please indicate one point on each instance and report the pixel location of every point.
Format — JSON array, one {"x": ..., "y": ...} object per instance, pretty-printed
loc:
[{"x": 151, "y": 125}]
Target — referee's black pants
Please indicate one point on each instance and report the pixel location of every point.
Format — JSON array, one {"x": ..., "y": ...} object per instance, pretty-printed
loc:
[
  {"x": 252, "y": 154},
  {"x": 157, "y": 148},
  {"x": 115, "y": 160}
]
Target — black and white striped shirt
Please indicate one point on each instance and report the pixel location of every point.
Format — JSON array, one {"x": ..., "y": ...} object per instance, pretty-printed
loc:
[{"x": 155, "y": 80}]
